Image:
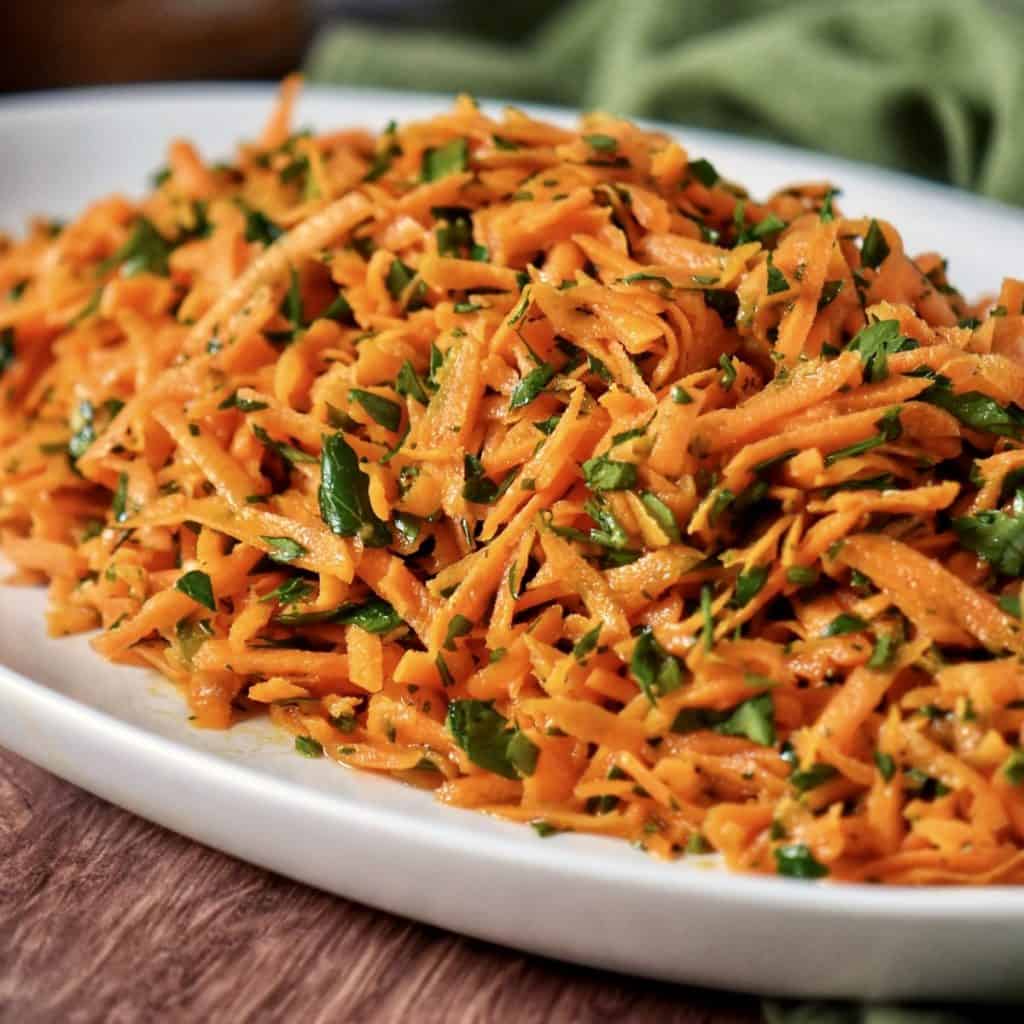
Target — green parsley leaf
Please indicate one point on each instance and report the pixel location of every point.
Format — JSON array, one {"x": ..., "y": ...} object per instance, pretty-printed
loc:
[
  {"x": 697, "y": 845},
  {"x": 399, "y": 278},
  {"x": 90, "y": 308},
  {"x": 843, "y": 624},
  {"x": 998, "y": 537},
  {"x": 375, "y": 616},
  {"x": 604, "y": 474},
  {"x": 258, "y": 226},
  {"x": 197, "y": 585},
  {"x": 602, "y": 143},
  {"x": 797, "y": 861},
  {"x": 479, "y": 487},
  {"x": 598, "y": 368},
  {"x": 7, "y": 349},
  {"x": 409, "y": 384},
  {"x": 191, "y": 635},
  {"x": 609, "y": 532},
  {"x": 875, "y": 248},
  {"x": 886, "y": 645},
  {"x": 344, "y": 495},
  {"x": 680, "y": 395},
  {"x": 339, "y": 311},
  {"x": 777, "y": 281},
  {"x": 287, "y": 451},
  {"x": 119, "y": 504},
  {"x": 145, "y": 252},
  {"x": 439, "y": 162},
  {"x": 753, "y": 719},
  {"x": 759, "y": 231},
  {"x": 291, "y": 591},
  {"x": 728, "y": 377},
  {"x": 924, "y": 787},
  {"x": 825, "y": 214},
  {"x": 458, "y": 626},
  {"x": 487, "y": 740},
  {"x": 875, "y": 343},
  {"x": 662, "y": 515},
  {"x": 243, "y": 404},
  {"x": 586, "y": 643},
  {"x": 802, "y": 575},
  {"x": 975, "y": 409},
  {"x": 810, "y": 778},
  {"x": 703, "y": 171},
  {"x": 886, "y": 765},
  {"x": 642, "y": 275},
  {"x": 708, "y": 629},
  {"x": 749, "y": 584},
  {"x": 656, "y": 671},
  {"x": 1013, "y": 767},
  {"x": 544, "y": 828},
  {"x": 829, "y": 291},
  {"x": 309, "y": 747},
  {"x": 284, "y": 549},
  {"x": 381, "y": 410},
  {"x": 725, "y": 303},
  {"x": 407, "y": 526},
  {"x": 531, "y": 386},
  {"x": 1010, "y": 603}
]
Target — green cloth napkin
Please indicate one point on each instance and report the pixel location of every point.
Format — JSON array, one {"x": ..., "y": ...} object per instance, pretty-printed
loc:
[{"x": 935, "y": 87}]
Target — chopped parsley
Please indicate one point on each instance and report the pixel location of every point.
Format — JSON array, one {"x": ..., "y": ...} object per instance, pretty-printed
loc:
[
  {"x": 531, "y": 386},
  {"x": 309, "y": 747},
  {"x": 381, "y": 410},
  {"x": 344, "y": 495},
  {"x": 489, "y": 741},
  {"x": 655, "y": 670},
  {"x": 284, "y": 549},
  {"x": 458, "y": 626},
  {"x": 586, "y": 644},
  {"x": 439, "y": 162},
  {"x": 197, "y": 585},
  {"x": 703, "y": 171},
  {"x": 797, "y": 861},
  {"x": 408, "y": 384},
  {"x": 604, "y": 474},
  {"x": 875, "y": 248},
  {"x": 875, "y": 343},
  {"x": 145, "y": 252},
  {"x": 975, "y": 410},
  {"x": 995, "y": 536},
  {"x": 843, "y": 624}
]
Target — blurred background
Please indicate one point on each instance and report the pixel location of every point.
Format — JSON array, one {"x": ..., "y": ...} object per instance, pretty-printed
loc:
[
  {"x": 80, "y": 42},
  {"x": 934, "y": 87}
]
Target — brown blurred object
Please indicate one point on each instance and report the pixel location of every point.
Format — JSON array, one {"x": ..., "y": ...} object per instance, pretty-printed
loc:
[{"x": 79, "y": 42}]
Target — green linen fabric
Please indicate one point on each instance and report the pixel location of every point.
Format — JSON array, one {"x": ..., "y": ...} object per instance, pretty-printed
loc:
[{"x": 934, "y": 87}]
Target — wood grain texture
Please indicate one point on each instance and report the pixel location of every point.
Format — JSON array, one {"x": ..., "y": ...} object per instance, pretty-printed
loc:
[{"x": 105, "y": 917}]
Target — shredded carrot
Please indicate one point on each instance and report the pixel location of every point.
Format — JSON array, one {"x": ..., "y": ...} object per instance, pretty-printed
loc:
[{"x": 539, "y": 467}]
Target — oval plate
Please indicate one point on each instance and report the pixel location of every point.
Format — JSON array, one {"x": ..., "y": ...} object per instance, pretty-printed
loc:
[{"x": 123, "y": 733}]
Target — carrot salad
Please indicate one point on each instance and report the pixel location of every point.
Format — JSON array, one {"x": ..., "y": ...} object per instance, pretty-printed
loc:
[{"x": 550, "y": 470}]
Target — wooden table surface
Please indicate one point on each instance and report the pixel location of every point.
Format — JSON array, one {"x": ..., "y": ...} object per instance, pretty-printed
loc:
[{"x": 105, "y": 917}]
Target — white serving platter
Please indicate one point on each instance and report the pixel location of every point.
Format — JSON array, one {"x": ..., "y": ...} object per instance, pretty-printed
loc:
[{"x": 123, "y": 733}]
